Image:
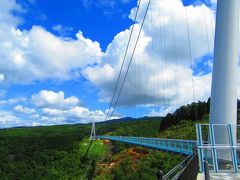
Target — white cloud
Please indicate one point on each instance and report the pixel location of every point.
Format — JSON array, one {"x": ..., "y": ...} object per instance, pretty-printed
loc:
[
  {"x": 52, "y": 112},
  {"x": 1, "y": 78},
  {"x": 47, "y": 98},
  {"x": 153, "y": 79},
  {"x": 24, "y": 110},
  {"x": 7, "y": 119},
  {"x": 62, "y": 30},
  {"x": 154, "y": 76},
  {"x": 55, "y": 108},
  {"x": 161, "y": 111},
  {"x": 77, "y": 114},
  {"x": 23, "y": 52},
  {"x": 12, "y": 101},
  {"x": 48, "y": 108},
  {"x": 6, "y": 17}
]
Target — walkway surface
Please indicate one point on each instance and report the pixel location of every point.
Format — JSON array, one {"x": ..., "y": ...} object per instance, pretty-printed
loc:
[
  {"x": 220, "y": 176},
  {"x": 173, "y": 145}
]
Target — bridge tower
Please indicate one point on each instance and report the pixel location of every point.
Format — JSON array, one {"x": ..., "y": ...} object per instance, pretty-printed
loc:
[
  {"x": 223, "y": 108},
  {"x": 93, "y": 132}
]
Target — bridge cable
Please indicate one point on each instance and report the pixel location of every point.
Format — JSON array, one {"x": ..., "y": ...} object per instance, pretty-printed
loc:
[
  {"x": 206, "y": 30},
  {"x": 89, "y": 163},
  {"x": 85, "y": 155},
  {"x": 175, "y": 60},
  {"x": 130, "y": 61},
  {"x": 159, "y": 86},
  {"x": 191, "y": 64},
  {"x": 166, "y": 68},
  {"x": 163, "y": 65},
  {"x": 123, "y": 61},
  {"x": 211, "y": 24}
]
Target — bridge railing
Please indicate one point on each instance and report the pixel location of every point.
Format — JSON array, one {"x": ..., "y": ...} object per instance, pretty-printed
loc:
[
  {"x": 187, "y": 169},
  {"x": 220, "y": 154},
  {"x": 173, "y": 145}
]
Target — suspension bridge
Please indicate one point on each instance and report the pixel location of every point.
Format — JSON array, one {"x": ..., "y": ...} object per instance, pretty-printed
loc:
[{"x": 221, "y": 148}]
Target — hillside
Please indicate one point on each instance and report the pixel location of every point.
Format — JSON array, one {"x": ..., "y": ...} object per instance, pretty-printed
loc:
[
  {"x": 41, "y": 152},
  {"x": 147, "y": 126},
  {"x": 57, "y": 152}
]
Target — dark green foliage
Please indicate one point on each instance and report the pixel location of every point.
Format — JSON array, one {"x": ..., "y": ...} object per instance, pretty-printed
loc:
[
  {"x": 41, "y": 153},
  {"x": 123, "y": 170},
  {"x": 146, "y": 169},
  {"x": 193, "y": 112},
  {"x": 55, "y": 152},
  {"x": 147, "y": 127}
]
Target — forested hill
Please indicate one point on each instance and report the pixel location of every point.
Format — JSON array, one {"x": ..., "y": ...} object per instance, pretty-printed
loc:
[
  {"x": 129, "y": 119},
  {"x": 56, "y": 152},
  {"x": 191, "y": 112}
]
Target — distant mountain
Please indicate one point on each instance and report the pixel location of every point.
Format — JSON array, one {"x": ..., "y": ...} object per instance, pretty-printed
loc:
[{"x": 130, "y": 119}]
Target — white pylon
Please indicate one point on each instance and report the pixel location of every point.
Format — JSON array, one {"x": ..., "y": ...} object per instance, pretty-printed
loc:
[
  {"x": 224, "y": 79},
  {"x": 93, "y": 132}
]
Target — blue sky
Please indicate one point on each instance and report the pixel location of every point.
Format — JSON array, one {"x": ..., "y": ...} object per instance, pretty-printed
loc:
[
  {"x": 60, "y": 59},
  {"x": 92, "y": 17}
]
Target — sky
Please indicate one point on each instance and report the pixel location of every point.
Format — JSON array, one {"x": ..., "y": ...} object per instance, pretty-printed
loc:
[{"x": 59, "y": 60}]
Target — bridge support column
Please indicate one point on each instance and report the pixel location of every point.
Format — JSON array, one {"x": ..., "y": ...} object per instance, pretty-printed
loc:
[
  {"x": 224, "y": 79},
  {"x": 93, "y": 132}
]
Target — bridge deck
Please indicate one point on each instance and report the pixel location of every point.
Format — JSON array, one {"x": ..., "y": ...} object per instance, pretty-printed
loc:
[{"x": 172, "y": 145}]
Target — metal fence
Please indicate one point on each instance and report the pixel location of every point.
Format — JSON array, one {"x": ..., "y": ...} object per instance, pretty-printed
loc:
[
  {"x": 172, "y": 145},
  {"x": 218, "y": 145},
  {"x": 186, "y": 170}
]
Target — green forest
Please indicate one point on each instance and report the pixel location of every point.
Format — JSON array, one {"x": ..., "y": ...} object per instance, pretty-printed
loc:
[{"x": 59, "y": 152}]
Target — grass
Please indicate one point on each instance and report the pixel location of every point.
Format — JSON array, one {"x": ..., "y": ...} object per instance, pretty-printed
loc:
[{"x": 97, "y": 148}]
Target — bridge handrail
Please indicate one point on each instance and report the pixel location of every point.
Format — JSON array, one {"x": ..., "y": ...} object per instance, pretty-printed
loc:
[
  {"x": 219, "y": 124},
  {"x": 173, "y": 145},
  {"x": 162, "y": 139},
  {"x": 170, "y": 173}
]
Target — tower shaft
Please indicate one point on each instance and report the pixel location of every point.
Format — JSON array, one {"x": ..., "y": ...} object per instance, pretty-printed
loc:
[{"x": 224, "y": 78}]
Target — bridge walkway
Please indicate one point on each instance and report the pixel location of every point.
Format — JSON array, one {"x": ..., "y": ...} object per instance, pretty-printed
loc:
[{"x": 171, "y": 145}]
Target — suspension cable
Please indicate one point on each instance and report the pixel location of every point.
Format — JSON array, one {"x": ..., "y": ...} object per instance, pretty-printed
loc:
[
  {"x": 191, "y": 64},
  {"x": 130, "y": 61},
  {"x": 175, "y": 59},
  {"x": 123, "y": 61},
  {"x": 89, "y": 163},
  {"x": 206, "y": 30}
]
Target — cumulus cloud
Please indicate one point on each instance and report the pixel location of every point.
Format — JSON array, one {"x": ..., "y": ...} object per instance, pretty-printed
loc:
[
  {"x": 160, "y": 74},
  {"x": 47, "y": 98},
  {"x": 8, "y": 119},
  {"x": 24, "y": 110},
  {"x": 49, "y": 108},
  {"x": 1, "y": 78},
  {"x": 54, "y": 107},
  {"x": 12, "y": 101},
  {"x": 83, "y": 114},
  {"x": 22, "y": 52},
  {"x": 62, "y": 30},
  {"x": 160, "y": 70}
]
